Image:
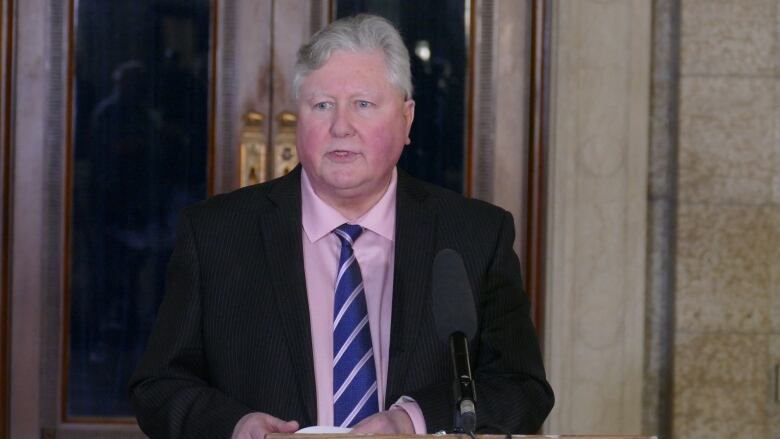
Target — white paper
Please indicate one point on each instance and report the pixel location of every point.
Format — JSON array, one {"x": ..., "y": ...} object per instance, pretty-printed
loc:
[{"x": 316, "y": 429}]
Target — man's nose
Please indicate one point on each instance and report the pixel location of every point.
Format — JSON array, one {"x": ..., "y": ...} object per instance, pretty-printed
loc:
[{"x": 342, "y": 123}]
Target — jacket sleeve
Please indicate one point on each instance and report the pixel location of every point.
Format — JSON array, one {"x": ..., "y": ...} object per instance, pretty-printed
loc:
[
  {"x": 169, "y": 389},
  {"x": 512, "y": 391}
]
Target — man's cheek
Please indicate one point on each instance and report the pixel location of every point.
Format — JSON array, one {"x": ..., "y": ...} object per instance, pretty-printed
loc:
[
  {"x": 381, "y": 140},
  {"x": 308, "y": 142}
]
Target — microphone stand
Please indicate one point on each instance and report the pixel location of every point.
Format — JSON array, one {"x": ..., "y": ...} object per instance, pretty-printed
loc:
[{"x": 465, "y": 416}]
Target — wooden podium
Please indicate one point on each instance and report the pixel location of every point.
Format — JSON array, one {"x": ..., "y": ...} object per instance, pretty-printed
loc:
[{"x": 446, "y": 436}]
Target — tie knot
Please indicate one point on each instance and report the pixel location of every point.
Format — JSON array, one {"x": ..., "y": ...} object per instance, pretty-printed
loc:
[{"x": 348, "y": 233}]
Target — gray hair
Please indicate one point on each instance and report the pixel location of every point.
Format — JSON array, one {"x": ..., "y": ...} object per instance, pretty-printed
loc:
[{"x": 359, "y": 33}]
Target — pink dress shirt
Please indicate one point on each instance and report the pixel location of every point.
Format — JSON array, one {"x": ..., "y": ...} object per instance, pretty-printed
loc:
[{"x": 375, "y": 252}]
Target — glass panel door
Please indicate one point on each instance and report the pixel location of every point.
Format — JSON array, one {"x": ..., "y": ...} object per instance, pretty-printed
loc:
[{"x": 140, "y": 155}]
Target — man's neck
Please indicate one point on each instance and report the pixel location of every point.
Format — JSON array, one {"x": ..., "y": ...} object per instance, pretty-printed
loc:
[{"x": 350, "y": 204}]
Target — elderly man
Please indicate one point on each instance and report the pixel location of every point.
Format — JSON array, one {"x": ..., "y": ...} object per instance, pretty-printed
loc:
[{"x": 307, "y": 300}]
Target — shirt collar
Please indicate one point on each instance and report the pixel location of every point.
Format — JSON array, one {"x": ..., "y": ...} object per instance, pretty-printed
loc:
[{"x": 319, "y": 219}]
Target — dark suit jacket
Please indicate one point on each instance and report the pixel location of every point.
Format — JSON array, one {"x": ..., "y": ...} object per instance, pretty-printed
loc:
[{"x": 233, "y": 332}]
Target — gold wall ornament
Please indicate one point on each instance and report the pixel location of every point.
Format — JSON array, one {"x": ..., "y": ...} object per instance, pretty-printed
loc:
[
  {"x": 284, "y": 155},
  {"x": 254, "y": 150}
]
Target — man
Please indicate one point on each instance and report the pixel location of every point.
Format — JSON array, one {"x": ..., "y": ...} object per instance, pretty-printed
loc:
[{"x": 251, "y": 336}]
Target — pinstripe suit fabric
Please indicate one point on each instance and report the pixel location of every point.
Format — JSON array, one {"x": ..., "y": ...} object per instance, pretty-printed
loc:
[{"x": 233, "y": 331}]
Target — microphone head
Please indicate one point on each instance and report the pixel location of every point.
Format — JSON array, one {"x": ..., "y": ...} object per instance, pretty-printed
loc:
[{"x": 453, "y": 303}]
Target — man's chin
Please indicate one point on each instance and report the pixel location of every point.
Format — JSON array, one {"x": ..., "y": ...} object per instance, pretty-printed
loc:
[
  {"x": 348, "y": 191},
  {"x": 349, "y": 186},
  {"x": 354, "y": 190},
  {"x": 345, "y": 182}
]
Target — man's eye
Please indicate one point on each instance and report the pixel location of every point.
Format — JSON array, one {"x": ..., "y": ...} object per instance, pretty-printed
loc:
[
  {"x": 323, "y": 105},
  {"x": 363, "y": 104}
]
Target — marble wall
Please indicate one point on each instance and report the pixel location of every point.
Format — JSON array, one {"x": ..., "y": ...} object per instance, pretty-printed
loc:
[
  {"x": 727, "y": 325},
  {"x": 595, "y": 296}
]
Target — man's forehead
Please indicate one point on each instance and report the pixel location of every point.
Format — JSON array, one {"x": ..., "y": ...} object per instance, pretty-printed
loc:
[{"x": 337, "y": 84}]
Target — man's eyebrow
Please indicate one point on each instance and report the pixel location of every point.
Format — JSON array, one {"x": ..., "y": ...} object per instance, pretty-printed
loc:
[{"x": 356, "y": 94}]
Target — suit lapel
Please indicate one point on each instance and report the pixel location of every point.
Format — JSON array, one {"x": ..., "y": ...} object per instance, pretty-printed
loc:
[
  {"x": 414, "y": 247},
  {"x": 283, "y": 250}
]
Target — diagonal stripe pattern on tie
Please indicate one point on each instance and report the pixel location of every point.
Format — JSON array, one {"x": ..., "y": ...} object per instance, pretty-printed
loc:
[{"x": 354, "y": 374}]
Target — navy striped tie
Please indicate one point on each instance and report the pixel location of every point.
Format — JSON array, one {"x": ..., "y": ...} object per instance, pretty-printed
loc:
[{"x": 354, "y": 374}]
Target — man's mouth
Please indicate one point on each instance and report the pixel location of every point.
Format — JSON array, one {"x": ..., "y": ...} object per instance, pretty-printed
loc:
[{"x": 341, "y": 155}]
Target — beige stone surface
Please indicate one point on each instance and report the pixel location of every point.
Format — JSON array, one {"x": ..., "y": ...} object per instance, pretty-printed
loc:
[
  {"x": 725, "y": 262},
  {"x": 598, "y": 215},
  {"x": 728, "y": 37},
  {"x": 721, "y": 383},
  {"x": 726, "y": 140},
  {"x": 727, "y": 314}
]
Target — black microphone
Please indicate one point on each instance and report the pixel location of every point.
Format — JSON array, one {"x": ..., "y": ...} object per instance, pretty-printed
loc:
[{"x": 456, "y": 323}]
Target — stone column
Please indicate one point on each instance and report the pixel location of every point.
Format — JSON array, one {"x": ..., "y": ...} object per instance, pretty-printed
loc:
[{"x": 597, "y": 225}]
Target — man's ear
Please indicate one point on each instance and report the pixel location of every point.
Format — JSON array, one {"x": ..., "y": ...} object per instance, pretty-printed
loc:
[{"x": 408, "y": 113}]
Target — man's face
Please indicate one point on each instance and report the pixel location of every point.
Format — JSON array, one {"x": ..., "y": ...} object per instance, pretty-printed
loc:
[{"x": 352, "y": 126}]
